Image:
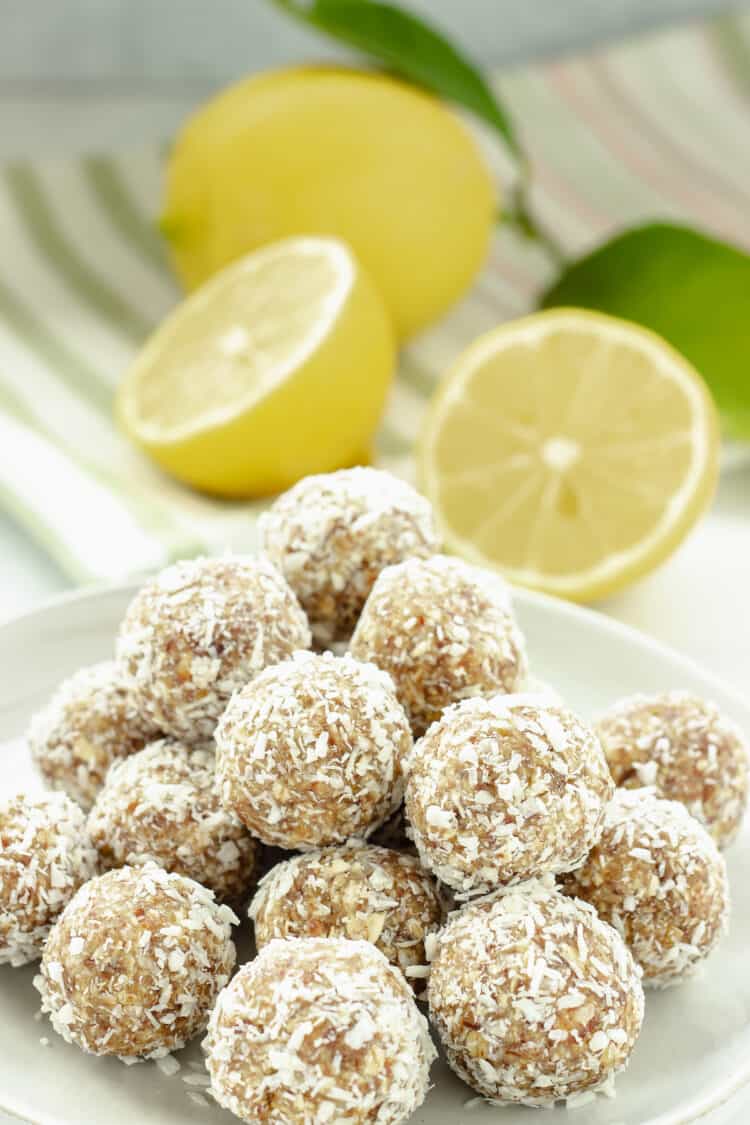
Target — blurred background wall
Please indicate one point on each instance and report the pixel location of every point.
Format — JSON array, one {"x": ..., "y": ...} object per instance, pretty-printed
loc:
[
  {"x": 81, "y": 75},
  {"x": 211, "y": 40}
]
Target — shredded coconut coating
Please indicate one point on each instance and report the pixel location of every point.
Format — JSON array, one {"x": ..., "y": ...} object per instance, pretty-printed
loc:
[
  {"x": 311, "y": 752},
  {"x": 504, "y": 789},
  {"x": 45, "y": 856},
  {"x": 135, "y": 962},
  {"x": 319, "y": 1031},
  {"x": 534, "y": 997},
  {"x": 331, "y": 535},
  {"x": 199, "y": 631},
  {"x": 657, "y": 876},
  {"x": 687, "y": 750},
  {"x": 90, "y": 721},
  {"x": 163, "y": 804},
  {"x": 354, "y": 891},
  {"x": 444, "y": 631}
]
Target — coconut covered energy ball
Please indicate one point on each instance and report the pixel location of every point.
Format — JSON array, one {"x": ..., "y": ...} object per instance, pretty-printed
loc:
[
  {"x": 656, "y": 876},
  {"x": 444, "y": 631},
  {"x": 319, "y": 1030},
  {"x": 198, "y": 632},
  {"x": 503, "y": 789},
  {"x": 135, "y": 962},
  {"x": 534, "y": 997},
  {"x": 355, "y": 891},
  {"x": 331, "y": 535},
  {"x": 687, "y": 750},
  {"x": 90, "y": 721},
  {"x": 163, "y": 804},
  {"x": 311, "y": 752},
  {"x": 45, "y": 856}
]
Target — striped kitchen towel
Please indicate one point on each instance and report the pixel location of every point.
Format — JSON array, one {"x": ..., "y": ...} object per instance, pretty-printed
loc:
[{"x": 655, "y": 128}]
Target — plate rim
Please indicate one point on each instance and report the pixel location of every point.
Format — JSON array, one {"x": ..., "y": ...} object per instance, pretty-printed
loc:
[{"x": 700, "y": 1106}]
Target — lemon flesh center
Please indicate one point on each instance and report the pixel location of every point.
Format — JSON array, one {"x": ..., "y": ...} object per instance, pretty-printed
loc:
[{"x": 560, "y": 453}]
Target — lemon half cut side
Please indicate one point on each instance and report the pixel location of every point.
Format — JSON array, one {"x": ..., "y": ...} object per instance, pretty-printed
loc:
[
  {"x": 276, "y": 367},
  {"x": 570, "y": 450}
]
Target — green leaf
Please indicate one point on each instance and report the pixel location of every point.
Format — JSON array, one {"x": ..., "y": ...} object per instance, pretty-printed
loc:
[
  {"x": 411, "y": 49},
  {"x": 693, "y": 290}
]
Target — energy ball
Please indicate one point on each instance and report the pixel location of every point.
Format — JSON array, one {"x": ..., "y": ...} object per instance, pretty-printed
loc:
[
  {"x": 503, "y": 789},
  {"x": 198, "y": 632},
  {"x": 657, "y": 876},
  {"x": 135, "y": 962},
  {"x": 355, "y": 891},
  {"x": 162, "y": 804},
  {"x": 534, "y": 997},
  {"x": 311, "y": 752},
  {"x": 332, "y": 534},
  {"x": 90, "y": 721},
  {"x": 45, "y": 856},
  {"x": 319, "y": 1030},
  {"x": 687, "y": 750},
  {"x": 444, "y": 631}
]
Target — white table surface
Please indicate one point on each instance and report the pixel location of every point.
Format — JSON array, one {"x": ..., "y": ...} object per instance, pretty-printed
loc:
[{"x": 698, "y": 602}]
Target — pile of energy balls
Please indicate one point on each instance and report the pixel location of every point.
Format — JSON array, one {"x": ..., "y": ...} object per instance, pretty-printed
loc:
[{"x": 454, "y": 835}]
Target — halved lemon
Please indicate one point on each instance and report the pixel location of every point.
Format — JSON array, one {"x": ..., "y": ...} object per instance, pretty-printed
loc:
[
  {"x": 275, "y": 368},
  {"x": 570, "y": 450}
]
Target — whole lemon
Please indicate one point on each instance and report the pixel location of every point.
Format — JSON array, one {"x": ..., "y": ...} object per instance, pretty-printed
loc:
[{"x": 332, "y": 151}]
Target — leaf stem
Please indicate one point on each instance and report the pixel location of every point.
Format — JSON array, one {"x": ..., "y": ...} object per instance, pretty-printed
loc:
[{"x": 517, "y": 213}]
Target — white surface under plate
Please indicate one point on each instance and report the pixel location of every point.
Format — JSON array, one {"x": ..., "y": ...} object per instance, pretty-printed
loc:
[{"x": 694, "y": 1051}]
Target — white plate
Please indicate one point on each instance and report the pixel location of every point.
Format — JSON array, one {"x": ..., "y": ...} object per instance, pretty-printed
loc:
[{"x": 695, "y": 1048}]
